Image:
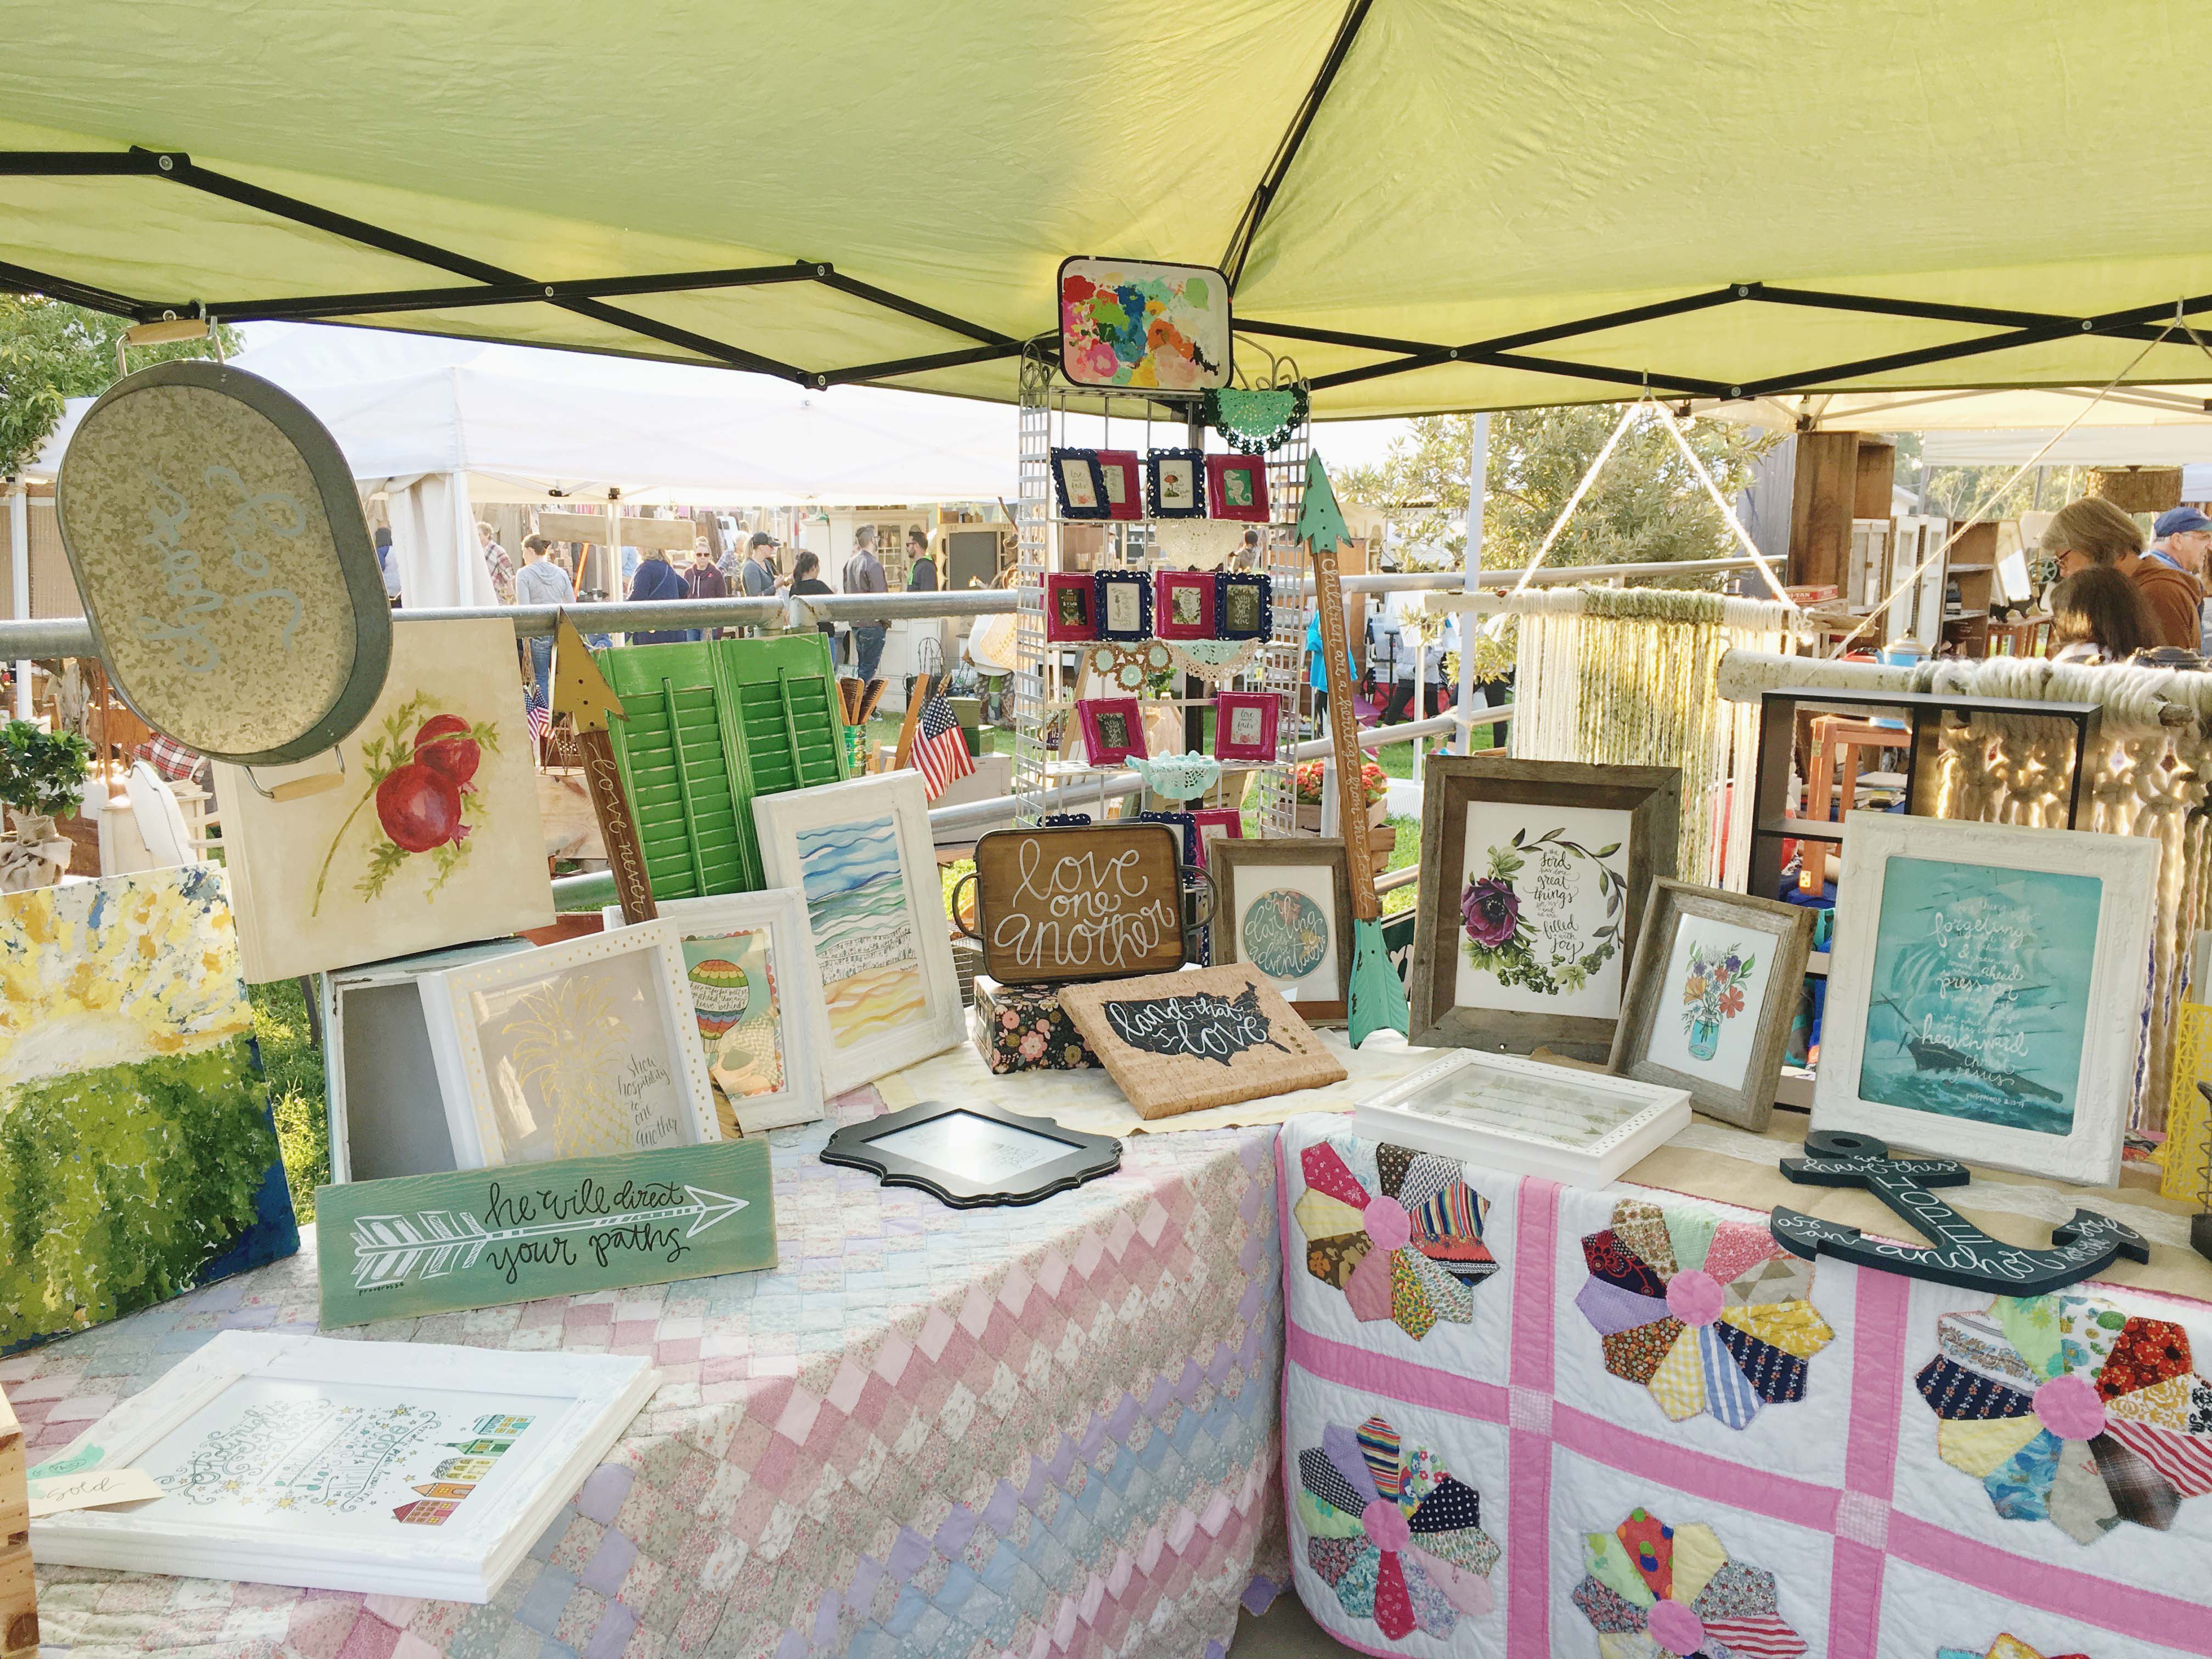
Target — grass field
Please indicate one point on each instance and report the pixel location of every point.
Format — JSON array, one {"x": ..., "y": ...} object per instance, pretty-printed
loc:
[{"x": 293, "y": 1061}]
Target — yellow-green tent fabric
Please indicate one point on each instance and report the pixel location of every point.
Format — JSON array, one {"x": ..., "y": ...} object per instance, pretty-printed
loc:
[{"x": 1483, "y": 177}]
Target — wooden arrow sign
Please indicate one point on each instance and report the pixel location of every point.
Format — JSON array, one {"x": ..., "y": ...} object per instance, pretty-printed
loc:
[
  {"x": 582, "y": 693},
  {"x": 1963, "y": 1254}
]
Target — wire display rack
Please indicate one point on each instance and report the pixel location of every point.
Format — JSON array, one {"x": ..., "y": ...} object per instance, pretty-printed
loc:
[{"x": 1047, "y": 673}]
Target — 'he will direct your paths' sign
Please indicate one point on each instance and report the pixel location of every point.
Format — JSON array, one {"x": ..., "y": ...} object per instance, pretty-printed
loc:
[{"x": 481, "y": 1238}]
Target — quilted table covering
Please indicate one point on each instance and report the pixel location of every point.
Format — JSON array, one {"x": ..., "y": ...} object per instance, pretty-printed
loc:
[
  {"x": 1526, "y": 1419},
  {"x": 928, "y": 1434}
]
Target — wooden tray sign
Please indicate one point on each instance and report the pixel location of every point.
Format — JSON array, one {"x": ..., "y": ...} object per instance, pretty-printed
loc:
[
  {"x": 217, "y": 539},
  {"x": 1087, "y": 901}
]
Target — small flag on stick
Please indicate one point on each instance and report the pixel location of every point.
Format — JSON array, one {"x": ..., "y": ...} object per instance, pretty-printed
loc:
[{"x": 940, "y": 749}]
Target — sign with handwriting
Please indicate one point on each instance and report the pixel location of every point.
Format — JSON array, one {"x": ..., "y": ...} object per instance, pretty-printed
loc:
[
  {"x": 218, "y": 538},
  {"x": 1091, "y": 902},
  {"x": 480, "y": 1238},
  {"x": 94, "y": 1489}
]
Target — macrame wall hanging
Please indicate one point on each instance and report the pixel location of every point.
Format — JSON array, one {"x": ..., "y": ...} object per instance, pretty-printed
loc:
[{"x": 1630, "y": 677}]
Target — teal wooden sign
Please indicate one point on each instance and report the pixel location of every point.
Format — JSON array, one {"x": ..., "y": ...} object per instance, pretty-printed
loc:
[{"x": 480, "y": 1238}]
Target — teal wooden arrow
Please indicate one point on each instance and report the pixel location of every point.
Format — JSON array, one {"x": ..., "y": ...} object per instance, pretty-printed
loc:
[
  {"x": 479, "y": 1238},
  {"x": 1321, "y": 521},
  {"x": 1963, "y": 1254}
]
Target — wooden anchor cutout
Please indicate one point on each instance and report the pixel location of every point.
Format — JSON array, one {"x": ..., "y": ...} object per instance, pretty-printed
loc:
[{"x": 1963, "y": 1254}]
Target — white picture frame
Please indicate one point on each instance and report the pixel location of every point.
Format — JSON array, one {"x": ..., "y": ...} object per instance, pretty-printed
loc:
[
  {"x": 881, "y": 1011},
  {"x": 2010, "y": 992},
  {"x": 1526, "y": 1117},
  {"x": 800, "y": 1023},
  {"x": 240, "y": 1394},
  {"x": 640, "y": 1081}
]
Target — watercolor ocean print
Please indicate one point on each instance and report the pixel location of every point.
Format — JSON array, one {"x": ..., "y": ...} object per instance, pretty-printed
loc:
[
  {"x": 1980, "y": 996},
  {"x": 139, "y": 1159},
  {"x": 856, "y": 906}
]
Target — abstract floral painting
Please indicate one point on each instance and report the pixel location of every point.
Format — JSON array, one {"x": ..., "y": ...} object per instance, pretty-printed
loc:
[
  {"x": 1134, "y": 323},
  {"x": 1394, "y": 1534},
  {"x": 856, "y": 906},
  {"x": 1399, "y": 1232},
  {"x": 2069, "y": 1410},
  {"x": 1709, "y": 1317},
  {"x": 137, "y": 1156},
  {"x": 1651, "y": 1589}
]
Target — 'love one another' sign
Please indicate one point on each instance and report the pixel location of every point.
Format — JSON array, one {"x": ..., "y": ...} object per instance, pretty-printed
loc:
[{"x": 226, "y": 571}]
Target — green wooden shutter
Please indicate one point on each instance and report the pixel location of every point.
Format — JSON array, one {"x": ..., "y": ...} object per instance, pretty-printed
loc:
[{"x": 711, "y": 725}]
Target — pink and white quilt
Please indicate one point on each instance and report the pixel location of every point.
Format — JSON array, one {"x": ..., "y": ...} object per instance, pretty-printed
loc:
[{"x": 1526, "y": 1419}]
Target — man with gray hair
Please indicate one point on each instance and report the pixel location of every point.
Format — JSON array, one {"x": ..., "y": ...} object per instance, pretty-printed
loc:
[{"x": 864, "y": 574}]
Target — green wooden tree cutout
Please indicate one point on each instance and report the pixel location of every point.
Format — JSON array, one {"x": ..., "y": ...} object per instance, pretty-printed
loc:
[{"x": 1321, "y": 521}]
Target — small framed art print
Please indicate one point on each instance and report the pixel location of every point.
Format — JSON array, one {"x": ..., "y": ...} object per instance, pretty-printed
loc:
[
  {"x": 1122, "y": 474},
  {"x": 571, "y": 1051},
  {"x": 1071, "y": 606},
  {"x": 1080, "y": 484},
  {"x": 754, "y": 999},
  {"x": 1284, "y": 906},
  {"x": 875, "y": 911},
  {"x": 1113, "y": 729},
  {"x": 1237, "y": 486},
  {"x": 1123, "y": 605},
  {"x": 1213, "y": 823},
  {"x": 1175, "y": 484},
  {"x": 1711, "y": 992},
  {"x": 1541, "y": 870},
  {"x": 1245, "y": 606},
  {"x": 1183, "y": 603},
  {"x": 1986, "y": 991},
  {"x": 1244, "y": 725}
]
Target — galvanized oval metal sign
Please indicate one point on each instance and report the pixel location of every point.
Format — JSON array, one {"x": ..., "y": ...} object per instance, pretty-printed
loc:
[{"x": 226, "y": 571}]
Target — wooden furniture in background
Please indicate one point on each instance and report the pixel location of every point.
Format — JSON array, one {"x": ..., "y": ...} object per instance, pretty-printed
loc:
[
  {"x": 19, "y": 1596},
  {"x": 2029, "y": 637},
  {"x": 1839, "y": 478},
  {"x": 1836, "y": 743}
]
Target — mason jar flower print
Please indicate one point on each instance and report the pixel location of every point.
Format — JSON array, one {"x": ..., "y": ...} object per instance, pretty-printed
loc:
[{"x": 1713, "y": 992}]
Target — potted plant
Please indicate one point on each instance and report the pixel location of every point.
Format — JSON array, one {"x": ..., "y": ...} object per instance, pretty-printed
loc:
[
  {"x": 1375, "y": 788},
  {"x": 42, "y": 776}
]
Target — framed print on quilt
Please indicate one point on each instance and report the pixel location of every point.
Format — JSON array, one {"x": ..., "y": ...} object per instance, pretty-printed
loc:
[{"x": 860, "y": 852}]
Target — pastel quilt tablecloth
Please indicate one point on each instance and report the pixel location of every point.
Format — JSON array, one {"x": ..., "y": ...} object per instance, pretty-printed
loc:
[
  {"x": 1526, "y": 1419},
  {"x": 928, "y": 1434}
]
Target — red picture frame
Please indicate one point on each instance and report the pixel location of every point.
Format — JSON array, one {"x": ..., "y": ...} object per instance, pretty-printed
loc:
[
  {"x": 1234, "y": 737},
  {"x": 1236, "y": 487},
  {"x": 1113, "y": 729},
  {"x": 1124, "y": 472},
  {"x": 1193, "y": 618},
  {"x": 1071, "y": 607},
  {"x": 1226, "y": 819}
]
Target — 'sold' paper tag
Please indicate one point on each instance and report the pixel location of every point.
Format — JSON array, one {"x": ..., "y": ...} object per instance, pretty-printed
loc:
[{"x": 95, "y": 1489}]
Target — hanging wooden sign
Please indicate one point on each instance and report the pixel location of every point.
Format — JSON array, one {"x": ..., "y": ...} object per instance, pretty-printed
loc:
[
  {"x": 482, "y": 1238},
  {"x": 1095, "y": 901},
  {"x": 679, "y": 534},
  {"x": 217, "y": 539}
]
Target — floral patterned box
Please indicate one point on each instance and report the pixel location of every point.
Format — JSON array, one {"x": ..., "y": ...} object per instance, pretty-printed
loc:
[{"x": 1020, "y": 1027}]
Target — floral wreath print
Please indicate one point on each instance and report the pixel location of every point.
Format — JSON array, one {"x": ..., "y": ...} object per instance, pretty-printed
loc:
[
  {"x": 1711, "y": 1316},
  {"x": 1498, "y": 941},
  {"x": 1712, "y": 994},
  {"x": 1396, "y": 1536},
  {"x": 2069, "y": 1410},
  {"x": 1649, "y": 1588},
  {"x": 1399, "y": 1232}
]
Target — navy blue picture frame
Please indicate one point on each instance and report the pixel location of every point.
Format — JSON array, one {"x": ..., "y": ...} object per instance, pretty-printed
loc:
[
  {"x": 1250, "y": 581},
  {"x": 1087, "y": 460},
  {"x": 1103, "y": 584},
  {"x": 1178, "y": 459}
]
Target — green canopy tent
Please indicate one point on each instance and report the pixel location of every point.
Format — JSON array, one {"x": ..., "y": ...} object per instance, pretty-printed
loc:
[{"x": 1430, "y": 205}]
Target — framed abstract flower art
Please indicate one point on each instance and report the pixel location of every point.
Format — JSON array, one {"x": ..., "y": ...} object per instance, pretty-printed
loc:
[
  {"x": 1712, "y": 992},
  {"x": 1141, "y": 323},
  {"x": 1548, "y": 865}
]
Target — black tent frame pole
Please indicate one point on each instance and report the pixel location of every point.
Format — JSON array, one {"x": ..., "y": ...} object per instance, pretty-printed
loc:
[{"x": 490, "y": 285}]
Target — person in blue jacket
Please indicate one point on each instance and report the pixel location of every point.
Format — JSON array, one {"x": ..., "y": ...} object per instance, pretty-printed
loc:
[
  {"x": 1317, "y": 669},
  {"x": 658, "y": 580}
]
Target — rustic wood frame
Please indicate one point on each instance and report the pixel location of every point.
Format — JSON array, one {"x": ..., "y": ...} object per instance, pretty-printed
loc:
[
  {"x": 1229, "y": 854},
  {"x": 1651, "y": 795},
  {"x": 1789, "y": 926}
]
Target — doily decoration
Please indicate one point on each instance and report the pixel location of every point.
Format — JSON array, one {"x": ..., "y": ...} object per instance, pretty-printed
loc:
[
  {"x": 1178, "y": 777},
  {"x": 1255, "y": 423}
]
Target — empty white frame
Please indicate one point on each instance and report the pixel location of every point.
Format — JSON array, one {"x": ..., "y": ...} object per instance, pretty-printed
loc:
[
  {"x": 577, "y": 1050},
  {"x": 755, "y": 1000},
  {"x": 860, "y": 852},
  {"x": 391, "y": 1468}
]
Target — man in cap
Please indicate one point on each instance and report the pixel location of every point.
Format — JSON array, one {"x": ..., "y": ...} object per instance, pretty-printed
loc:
[{"x": 2182, "y": 540}]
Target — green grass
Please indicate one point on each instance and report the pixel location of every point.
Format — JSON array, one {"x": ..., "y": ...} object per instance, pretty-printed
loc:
[{"x": 293, "y": 1061}]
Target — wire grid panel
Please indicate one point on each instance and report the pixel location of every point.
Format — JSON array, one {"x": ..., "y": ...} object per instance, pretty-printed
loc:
[
  {"x": 1272, "y": 792},
  {"x": 1033, "y": 521}
]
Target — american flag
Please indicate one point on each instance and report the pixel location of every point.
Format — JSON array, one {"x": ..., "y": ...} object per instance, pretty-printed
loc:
[
  {"x": 539, "y": 716},
  {"x": 940, "y": 751}
]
